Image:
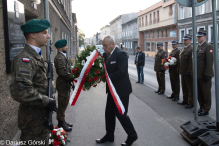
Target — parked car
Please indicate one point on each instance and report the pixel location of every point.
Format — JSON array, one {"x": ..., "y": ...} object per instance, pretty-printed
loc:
[{"x": 100, "y": 49}]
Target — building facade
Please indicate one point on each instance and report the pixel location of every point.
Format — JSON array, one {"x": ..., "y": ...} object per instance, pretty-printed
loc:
[
  {"x": 14, "y": 13},
  {"x": 157, "y": 24},
  {"x": 104, "y": 31},
  {"x": 116, "y": 26},
  {"x": 74, "y": 38},
  {"x": 204, "y": 20},
  {"x": 130, "y": 34}
]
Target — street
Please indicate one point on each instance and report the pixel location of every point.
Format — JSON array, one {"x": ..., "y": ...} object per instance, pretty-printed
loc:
[
  {"x": 150, "y": 80},
  {"x": 156, "y": 119}
]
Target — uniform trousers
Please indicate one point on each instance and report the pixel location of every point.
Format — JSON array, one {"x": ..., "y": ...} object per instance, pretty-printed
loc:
[
  {"x": 63, "y": 100},
  {"x": 111, "y": 112},
  {"x": 187, "y": 88},
  {"x": 161, "y": 81},
  {"x": 204, "y": 94},
  {"x": 175, "y": 83}
]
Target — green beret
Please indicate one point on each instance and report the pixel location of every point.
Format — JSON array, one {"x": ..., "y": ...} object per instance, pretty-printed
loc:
[
  {"x": 61, "y": 43},
  {"x": 35, "y": 25}
]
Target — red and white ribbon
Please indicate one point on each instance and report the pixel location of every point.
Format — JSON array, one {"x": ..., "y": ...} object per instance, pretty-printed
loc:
[
  {"x": 113, "y": 92},
  {"x": 82, "y": 78}
]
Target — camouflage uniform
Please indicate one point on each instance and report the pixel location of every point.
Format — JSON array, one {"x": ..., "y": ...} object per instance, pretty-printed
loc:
[
  {"x": 63, "y": 84},
  {"x": 160, "y": 70},
  {"x": 29, "y": 87}
]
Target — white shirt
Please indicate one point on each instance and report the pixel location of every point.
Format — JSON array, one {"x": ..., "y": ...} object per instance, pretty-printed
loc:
[
  {"x": 63, "y": 53},
  {"x": 112, "y": 51},
  {"x": 201, "y": 43},
  {"x": 37, "y": 49},
  {"x": 187, "y": 46}
]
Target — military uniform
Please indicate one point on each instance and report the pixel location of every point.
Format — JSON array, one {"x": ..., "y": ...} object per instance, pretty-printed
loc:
[
  {"x": 186, "y": 76},
  {"x": 63, "y": 84},
  {"x": 204, "y": 69},
  {"x": 29, "y": 86},
  {"x": 174, "y": 73},
  {"x": 160, "y": 70}
]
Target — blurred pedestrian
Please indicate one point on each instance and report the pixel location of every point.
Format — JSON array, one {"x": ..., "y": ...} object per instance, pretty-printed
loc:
[
  {"x": 140, "y": 62},
  {"x": 123, "y": 48}
]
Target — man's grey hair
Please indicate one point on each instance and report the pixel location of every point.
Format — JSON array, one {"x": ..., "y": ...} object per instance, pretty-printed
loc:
[{"x": 110, "y": 39}]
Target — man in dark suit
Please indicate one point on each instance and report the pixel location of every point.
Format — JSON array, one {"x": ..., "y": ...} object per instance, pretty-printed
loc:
[
  {"x": 139, "y": 62},
  {"x": 117, "y": 68}
]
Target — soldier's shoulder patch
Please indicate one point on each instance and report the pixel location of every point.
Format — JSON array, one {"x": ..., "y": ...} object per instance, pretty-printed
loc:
[
  {"x": 211, "y": 51},
  {"x": 26, "y": 60},
  {"x": 23, "y": 70}
]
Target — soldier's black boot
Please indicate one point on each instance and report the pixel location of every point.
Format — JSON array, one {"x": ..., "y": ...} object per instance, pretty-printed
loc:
[
  {"x": 64, "y": 126},
  {"x": 68, "y": 124}
]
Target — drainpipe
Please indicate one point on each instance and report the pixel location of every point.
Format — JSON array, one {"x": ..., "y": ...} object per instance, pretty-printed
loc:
[{"x": 47, "y": 17}]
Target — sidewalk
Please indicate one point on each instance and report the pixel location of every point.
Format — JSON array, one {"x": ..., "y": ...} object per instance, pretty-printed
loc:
[{"x": 89, "y": 121}]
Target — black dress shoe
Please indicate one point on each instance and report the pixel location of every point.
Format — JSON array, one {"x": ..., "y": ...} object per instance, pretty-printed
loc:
[
  {"x": 189, "y": 106},
  {"x": 175, "y": 99},
  {"x": 202, "y": 113},
  {"x": 64, "y": 126},
  {"x": 137, "y": 82},
  {"x": 68, "y": 124},
  {"x": 104, "y": 139},
  {"x": 159, "y": 93},
  {"x": 129, "y": 142},
  {"x": 170, "y": 97},
  {"x": 199, "y": 110},
  {"x": 183, "y": 103}
]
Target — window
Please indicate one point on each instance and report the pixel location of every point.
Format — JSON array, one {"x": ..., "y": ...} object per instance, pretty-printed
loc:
[
  {"x": 152, "y": 46},
  {"x": 161, "y": 33},
  {"x": 166, "y": 32},
  {"x": 210, "y": 33},
  {"x": 146, "y": 20},
  {"x": 152, "y": 34},
  {"x": 154, "y": 18},
  {"x": 182, "y": 12},
  {"x": 182, "y": 34},
  {"x": 150, "y": 19},
  {"x": 202, "y": 9},
  {"x": 139, "y": 22},
  {"x": 158, "y": 34},
  {"x": 158, "y": 17},
  {"x": 211, "y": 36},
  {"x": 190, "y": 12},
  {"x": 170, "y": 10},
  {"x": 142, "y": 21},
  {"x": 145, "y": 35},
  {"x": 149, "y": 34}
]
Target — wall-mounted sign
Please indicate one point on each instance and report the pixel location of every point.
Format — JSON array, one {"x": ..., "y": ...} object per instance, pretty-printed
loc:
[
  {"x": 14, "y": 17},
  {"x": 172, "y": 33}
]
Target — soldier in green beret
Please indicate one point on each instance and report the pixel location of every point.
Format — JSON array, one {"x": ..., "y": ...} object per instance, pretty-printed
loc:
[
  {"x": 29, "y": 85},
  {"x": 159, "y": 69},
  {"x": 63, "y": 83}
]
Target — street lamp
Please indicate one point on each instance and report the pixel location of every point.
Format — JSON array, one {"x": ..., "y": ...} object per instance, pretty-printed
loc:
[{"x": 36, "y": 2}]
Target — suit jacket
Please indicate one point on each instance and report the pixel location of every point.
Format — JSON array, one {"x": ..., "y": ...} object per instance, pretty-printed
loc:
[
  {"x": 141, "y": 58},
  {"x": 205, "y": 59},
  {"x": 186, "y": 60},
  {"x": 161, "y": 54},
  {"x": 117, "y": 68}
]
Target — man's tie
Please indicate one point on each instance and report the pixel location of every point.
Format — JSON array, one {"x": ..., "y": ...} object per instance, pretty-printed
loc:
[{"x": 108, "y": 57}]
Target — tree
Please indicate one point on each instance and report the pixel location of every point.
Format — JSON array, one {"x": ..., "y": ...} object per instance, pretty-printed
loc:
[{"x": 81, "y": 38}]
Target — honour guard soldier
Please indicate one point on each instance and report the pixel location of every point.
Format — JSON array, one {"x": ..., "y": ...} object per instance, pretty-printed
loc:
[
  {"x": 186, "y": 72},
  {"x": 174, "y": 72},
  {"x": 63, "y": 83},
  {"x": 29, "y": 85},
  {"x": 159, "y": 69},
  {"x": 205, "y": 58}
]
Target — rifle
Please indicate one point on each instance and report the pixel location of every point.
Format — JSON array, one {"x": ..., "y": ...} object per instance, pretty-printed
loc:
[{"x": 50, "y": 77}]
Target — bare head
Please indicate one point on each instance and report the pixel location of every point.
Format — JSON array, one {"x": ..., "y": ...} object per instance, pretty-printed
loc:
[
  {"x": 108, "y": 44},
  {"x": 138, "y": 49}
]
